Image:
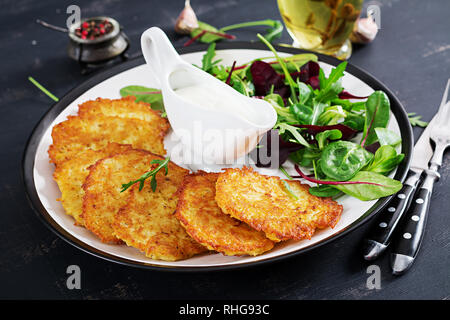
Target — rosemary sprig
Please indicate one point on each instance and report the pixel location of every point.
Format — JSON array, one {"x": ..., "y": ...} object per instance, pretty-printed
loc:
[
  {"x": 414, "y": 119},
  {"x": 161, "y": 164}
]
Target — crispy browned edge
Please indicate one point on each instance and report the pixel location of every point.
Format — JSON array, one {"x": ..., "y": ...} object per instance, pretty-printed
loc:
[
  {"x": 334, "y": 214},
  {"x": 196, "y": 248},
  {"x": 127, "y": 98},
  {"x": 164, "y": 128},
  {"x": 192, "y": 231},
  {"x": 87, "y": 183}
]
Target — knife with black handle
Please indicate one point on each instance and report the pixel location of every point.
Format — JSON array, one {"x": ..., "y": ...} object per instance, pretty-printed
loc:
[
  {"x": 382, "y": 231},
  {"x": 411, "y": 230}
]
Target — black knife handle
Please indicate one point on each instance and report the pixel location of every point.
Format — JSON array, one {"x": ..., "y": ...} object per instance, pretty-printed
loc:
[
  {"x": 410, "y": 234},
  {"x": 381, "y": 232}
]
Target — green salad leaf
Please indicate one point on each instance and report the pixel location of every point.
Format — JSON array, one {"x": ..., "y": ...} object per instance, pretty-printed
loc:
[
  {"x": 326, "y": 135},
  {"x": 144, "y": 94},
  {"x": 377, "y": 116},
  {"x": 382, "y": 187},
  {"x": 330, "y": 87},
  {"x": 387, "y": 137},
  {"x": 341, "y": 160},
  {"x": 324, "y": 191},
  {"x": 385, "y": 160},
  {"x": 207, "y": 37},
  {"x": 207, "y": 60},
  {"x": 303, "y": 113}
]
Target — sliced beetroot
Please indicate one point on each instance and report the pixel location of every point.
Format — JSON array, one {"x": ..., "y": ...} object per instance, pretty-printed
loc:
[
  {"x": 314, "y": 82},
  {"x": 373, "y": 147},
  {"x": 347, "y": 95},
  {"x": 285, "y": 148},
  {"x": 264, "y": 77},
  {"x": 230, "y": 73},
  {"x": 347, "y": 132},
  {"x": 309, "y": 74}
]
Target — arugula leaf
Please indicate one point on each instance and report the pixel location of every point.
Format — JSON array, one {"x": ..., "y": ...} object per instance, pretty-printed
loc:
[
  {"x": 284, "y": 127},
  {"x": 144, "y": 94},
  {"x": 414, "y": 119},
  {"x": 330, "y": 87},
  {"x": 207, "y": 60}
]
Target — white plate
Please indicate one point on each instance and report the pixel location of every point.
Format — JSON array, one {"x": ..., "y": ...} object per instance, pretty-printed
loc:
[{"x": 47, "y": 190}]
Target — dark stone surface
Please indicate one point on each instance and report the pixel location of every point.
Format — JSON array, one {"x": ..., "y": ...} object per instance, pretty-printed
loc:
[{"x": 411, "y": 55}]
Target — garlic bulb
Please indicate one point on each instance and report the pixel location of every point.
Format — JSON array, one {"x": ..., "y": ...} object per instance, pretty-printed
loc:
[
  {"x": 187, "y": 20},
  {"x": 364, "y": 30}
]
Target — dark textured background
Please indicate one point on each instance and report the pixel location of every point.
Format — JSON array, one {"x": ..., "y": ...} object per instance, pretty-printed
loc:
[{"x": 411, "y": 55}]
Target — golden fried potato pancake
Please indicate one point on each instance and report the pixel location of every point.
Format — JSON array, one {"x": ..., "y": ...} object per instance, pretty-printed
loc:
[
  {"x": 283, "y": 209},
  {"x": 70, "y": 176},
  {"x": 123, "y": 108},
  {"x": 102, "y": 197},
  {"x": 203, "y": 220},
  {"x": 95, "y": 131},
  {"x": 148, "y": 222}
]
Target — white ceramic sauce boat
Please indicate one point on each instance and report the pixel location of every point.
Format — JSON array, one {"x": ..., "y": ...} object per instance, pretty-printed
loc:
[{"x": 185, "y": 117}]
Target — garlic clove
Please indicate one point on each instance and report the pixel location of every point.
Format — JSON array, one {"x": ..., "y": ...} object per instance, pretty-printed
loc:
[
  {"x": 187, "y": 20},
  {"x": 364, "y": 31}
]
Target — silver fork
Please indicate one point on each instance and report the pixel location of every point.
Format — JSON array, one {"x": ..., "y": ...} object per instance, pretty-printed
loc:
[{"x": 410, "y": 237}]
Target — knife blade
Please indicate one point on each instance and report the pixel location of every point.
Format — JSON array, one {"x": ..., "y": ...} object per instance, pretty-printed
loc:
[{"x": 381, "y": 233}]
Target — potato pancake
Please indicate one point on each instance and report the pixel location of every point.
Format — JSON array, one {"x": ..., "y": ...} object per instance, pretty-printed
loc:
[
  {"x": 95, "y": 131},
  {"x": 102, "y": 197},
  {"x": 70, "y": 176},
  {"x": 282, "y": 209},
  {"x": 203, "y": 220},
  {"x": 123, "y": 108},
  {"x": 147, "y": 221}
]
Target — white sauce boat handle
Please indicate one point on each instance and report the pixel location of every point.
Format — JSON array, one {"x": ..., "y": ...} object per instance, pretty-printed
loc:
[{"x": 159, "y": 53}]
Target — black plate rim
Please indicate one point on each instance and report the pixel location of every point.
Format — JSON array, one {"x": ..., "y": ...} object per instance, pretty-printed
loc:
[{"x": 37, "y": 133}]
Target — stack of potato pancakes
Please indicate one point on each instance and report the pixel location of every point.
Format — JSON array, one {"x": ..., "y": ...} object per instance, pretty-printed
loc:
[{"x": 235, "y": 212}]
